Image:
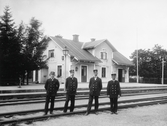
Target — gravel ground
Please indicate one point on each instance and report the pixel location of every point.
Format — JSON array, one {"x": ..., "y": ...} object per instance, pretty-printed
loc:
[{"x": 155, "y": 115}]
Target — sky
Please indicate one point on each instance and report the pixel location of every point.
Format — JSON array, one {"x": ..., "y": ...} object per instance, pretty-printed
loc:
[{"x": 127, "y": 24}]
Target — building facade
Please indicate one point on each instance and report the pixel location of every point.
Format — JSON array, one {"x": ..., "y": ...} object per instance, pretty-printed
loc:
[{"x": 83, "y": 57}]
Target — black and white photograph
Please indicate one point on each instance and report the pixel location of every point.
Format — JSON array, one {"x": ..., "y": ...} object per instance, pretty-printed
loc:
[{"x": 83, "y": 62}]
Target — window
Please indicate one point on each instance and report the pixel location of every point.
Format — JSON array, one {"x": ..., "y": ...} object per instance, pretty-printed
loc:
[
  {"x": 103, "y": 55},
  {"x": 51, "y": 53},
  {"x": 103, "y": 72},
  {"x": 59, "y": 71},
  {"x": 62, "y": 57}
]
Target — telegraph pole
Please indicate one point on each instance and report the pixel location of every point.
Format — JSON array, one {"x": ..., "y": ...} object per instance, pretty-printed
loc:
[
  {"x": 137, "y": 60},
  {"x": 137, "y": 68},
  {"x": 162, "y": 81}
]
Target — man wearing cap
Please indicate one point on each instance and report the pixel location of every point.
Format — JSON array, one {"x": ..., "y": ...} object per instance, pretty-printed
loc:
[
  {"x": 51, "y": 87},
  {"x": 71, "y": 88},
  {"x": 113, "y": 92},
  {"x": 95, "y": 86}
]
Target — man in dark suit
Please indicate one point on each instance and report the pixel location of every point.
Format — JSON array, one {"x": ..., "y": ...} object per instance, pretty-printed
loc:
[
  {"x": 113, "y": 92},
  {"x": 71, "y": 88},
  {"x": 95, "y": 86},
  {"x": 51, "y": 87}
]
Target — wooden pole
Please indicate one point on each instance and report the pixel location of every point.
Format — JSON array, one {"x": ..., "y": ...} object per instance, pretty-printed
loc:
[{"x": 162, "y": 81}]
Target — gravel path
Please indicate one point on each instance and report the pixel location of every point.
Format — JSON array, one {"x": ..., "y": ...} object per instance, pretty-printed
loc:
[{"x": 155, "y": 115}]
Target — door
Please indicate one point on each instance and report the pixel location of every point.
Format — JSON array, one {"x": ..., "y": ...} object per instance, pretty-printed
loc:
[
  {"x": 84, "y": 74},
  {"x": 120, "y": 75}
]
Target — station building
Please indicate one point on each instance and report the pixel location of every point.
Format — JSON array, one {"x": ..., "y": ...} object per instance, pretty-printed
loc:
[{"x": 83, "y": 57}]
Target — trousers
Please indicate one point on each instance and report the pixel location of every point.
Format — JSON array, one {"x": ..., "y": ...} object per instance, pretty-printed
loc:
[
  {"x": 48, "y": 99},
  {"x": 72, "y": 99},
  {"x": 114, "y": 104},
  {"x": 91, "y": 97}
]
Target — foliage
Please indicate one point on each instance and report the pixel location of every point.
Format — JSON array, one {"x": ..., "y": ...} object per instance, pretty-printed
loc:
[
  {"x": 33, "y": 45},
  {"x": 149, "y": 62},
  {"x": 21, "y": 48},
  {"x": 9, "y": 48}
]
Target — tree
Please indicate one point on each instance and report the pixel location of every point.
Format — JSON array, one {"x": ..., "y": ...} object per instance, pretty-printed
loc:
[
  {"x": 9, "y": 49},
  {"x": 143, "y": 62},
  {"x": 21, "y": 48},
  {"x": 150, "y": 62},
  {"x": 34, "y": 43},
  {"x": 159, "y": 54}
]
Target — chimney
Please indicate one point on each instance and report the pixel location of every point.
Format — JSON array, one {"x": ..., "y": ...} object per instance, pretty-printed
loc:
[
  {"x": 93, "y": 39},
  {"x": 75, "y": 38}
]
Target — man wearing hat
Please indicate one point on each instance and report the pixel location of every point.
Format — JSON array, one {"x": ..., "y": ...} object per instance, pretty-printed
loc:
[
  {"x": 71, "y": 88},
  {"x": 51, "y": 87},
  {"x": 95, "y": 86},
  {"x": 113, "y": 92}
]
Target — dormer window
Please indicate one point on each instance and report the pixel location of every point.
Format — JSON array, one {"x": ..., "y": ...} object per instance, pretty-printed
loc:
[
  {"x": 51, "y": 53},
  {"x": 104, "y": 54}
]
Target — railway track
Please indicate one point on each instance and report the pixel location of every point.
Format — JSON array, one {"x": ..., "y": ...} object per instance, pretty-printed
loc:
[
  {"x": 142, "y": 101},
  {"x": 62, "y": 98},
  {"x": 81, "y": 94}
]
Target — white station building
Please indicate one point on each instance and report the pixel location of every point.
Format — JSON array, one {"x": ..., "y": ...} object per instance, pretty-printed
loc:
[{"x": 83, "y": 57}]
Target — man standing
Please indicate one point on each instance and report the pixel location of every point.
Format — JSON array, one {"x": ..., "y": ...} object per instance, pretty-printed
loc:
[
  {"x": 71, "y": 88},
  {"x": 51, "y": 87},
  {"x": 95, "y": 86},
  {"x": 113, "y": 92}
]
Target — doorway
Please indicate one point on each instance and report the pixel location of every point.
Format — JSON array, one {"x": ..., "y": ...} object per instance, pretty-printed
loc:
[
  {"x": 84, "y": 74},
  {"x": 120, "y": 75}
]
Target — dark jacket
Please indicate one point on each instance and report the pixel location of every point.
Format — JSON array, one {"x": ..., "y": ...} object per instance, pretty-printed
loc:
[
  {"x": 71, "y": 85},
  {"x": 95, "y": 86},
  {"x": 52, "y": 87},
  {"x": 113, "y": 89}
]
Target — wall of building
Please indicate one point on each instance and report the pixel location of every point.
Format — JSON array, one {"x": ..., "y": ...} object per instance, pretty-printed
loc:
[
  {"x": 125, "y": 71},
  {"x": 127, "y": 74},
  {"x": 57, "y": 60},
  {"x": 78, "y": 66},
  {"x": 43, "y": 73},
  {"x": 105, "y": 63},
  {"x": 90, "y": 67},
  {"x": 108, "y": 64}
]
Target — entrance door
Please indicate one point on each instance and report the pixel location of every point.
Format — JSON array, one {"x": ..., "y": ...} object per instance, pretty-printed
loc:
[
  {"x": 84, "y": 74},
  {"x": 120, "y": 75}
]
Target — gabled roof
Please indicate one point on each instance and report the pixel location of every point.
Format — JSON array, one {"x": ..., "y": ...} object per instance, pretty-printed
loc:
[
  {"x": 75, "y": 49},
  {"x": 94, "y": 44},
  {"x": 89, "y": 45},
  {"x": 119, "y": 59},
  {"x": 80, "y": 50}
]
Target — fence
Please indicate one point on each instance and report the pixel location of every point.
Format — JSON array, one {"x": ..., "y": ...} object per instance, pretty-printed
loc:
[{"x": 148, "y": 80}]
